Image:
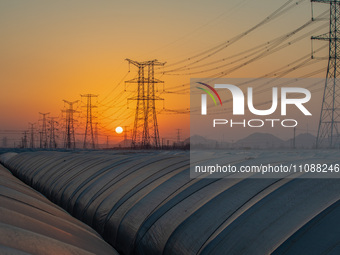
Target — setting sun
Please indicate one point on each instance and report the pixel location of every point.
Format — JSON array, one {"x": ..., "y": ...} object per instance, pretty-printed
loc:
[{"x": 119, "y": 130}]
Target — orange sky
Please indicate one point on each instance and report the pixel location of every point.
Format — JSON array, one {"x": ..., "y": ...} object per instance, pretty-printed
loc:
[{"x": 57, "y": 50}]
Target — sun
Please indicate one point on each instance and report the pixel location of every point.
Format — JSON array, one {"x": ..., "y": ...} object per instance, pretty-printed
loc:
[{"x": 119, "y": 130}]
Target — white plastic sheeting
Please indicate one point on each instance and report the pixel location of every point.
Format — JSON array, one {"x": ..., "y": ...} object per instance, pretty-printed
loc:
[
  {"x": 146, "y": 203},
  {"x": 30, "y": 224}
]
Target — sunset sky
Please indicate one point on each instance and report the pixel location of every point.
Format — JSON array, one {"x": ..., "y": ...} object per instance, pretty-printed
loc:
[{"x": 55, "y": 50}]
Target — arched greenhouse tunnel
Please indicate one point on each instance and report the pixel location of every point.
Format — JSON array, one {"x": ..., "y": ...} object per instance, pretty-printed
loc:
[{"x": 146, "y": 203}]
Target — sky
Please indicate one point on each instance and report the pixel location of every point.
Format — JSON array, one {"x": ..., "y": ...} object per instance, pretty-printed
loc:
[{"x": 52, "y": 51}]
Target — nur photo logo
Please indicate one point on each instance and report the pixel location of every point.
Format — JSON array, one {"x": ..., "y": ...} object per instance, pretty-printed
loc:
[{"x": 280, "y": 99}]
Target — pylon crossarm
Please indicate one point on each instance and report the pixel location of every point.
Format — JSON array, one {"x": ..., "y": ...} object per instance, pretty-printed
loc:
[{"x": 324, "y": 37}]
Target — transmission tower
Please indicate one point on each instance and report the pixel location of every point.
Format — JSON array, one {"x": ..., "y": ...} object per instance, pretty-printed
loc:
[
  {"x": 96, "y": 141},
  {"x": 53, "y": 122},
  {"x": 328, "y": 130},
  {"x": 89, "y": 138},
  {"x": 41, "y": 139},
  {"x": 24, "y": 140},
  {"x": 43, "y": 136},
  {"x": 125, "y": 129},
  {"x": 178, "y": 135},
  {"x": 145, "y": 132},
  {"x": 32, "y": 135},
  {"x": 69, "y": 139}
]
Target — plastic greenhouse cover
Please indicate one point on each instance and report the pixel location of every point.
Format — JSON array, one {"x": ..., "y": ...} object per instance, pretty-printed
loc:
[
  {"x": 31, "y": 224},
  {"x": 146, "y": 203}
]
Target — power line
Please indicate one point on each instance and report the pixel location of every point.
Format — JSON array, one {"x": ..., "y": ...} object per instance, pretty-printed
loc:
[
  {"x": 266, "y": 52},
  {"x": 117, "y": 85},
  {"x": 214, "y": 50}
]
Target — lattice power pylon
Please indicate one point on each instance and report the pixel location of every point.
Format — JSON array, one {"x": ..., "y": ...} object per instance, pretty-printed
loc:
[
  {"x": 178, "y": 135},
  {"x": 69, "y": 138},
  {"x": 328, "y": 130},
  {"x": 43, "y": 134},
  {"x": 31, "y": 135},
  {"x": 125, "y": 130},
  {"x": 145, "y": 132},
  {"x": 96, "y": 141},
  {"x": 53, "y": 122},
  {"x": 24, "y": 140},
  {"x": 89, "y": 139}
]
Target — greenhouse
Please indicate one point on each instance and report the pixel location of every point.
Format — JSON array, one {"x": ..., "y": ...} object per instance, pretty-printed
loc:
[{"x": 146, "y": 203}]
